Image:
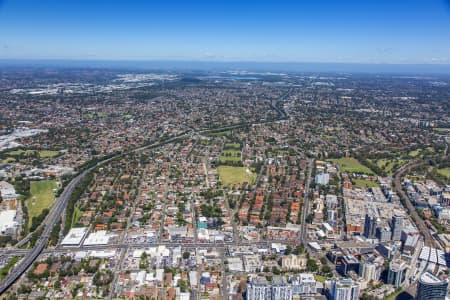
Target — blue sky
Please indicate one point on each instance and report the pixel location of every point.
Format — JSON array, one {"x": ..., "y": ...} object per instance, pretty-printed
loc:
[{"x": 364, "y": 31}]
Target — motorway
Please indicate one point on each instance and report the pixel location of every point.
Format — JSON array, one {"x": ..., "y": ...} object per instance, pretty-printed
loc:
[
  {"x": 303, "y": 238},
  {"x": 58, "y": 208},
  {"x": 429, "y": 240},
  {"x": 54, "y": 215}
]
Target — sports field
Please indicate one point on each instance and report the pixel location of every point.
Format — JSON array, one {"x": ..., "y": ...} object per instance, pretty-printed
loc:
[
  {"x": 364, "y": 183},
  {"x": 233, "y": 175},
  {"x": 351, "y": 165},
  {"x": 42, "y": 197}
]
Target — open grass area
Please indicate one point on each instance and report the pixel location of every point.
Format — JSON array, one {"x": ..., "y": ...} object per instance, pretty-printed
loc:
[
  {"x": 319, "y": 278},
  {"x": 364, "y": 183},
  {"x": 414, "y": 153},
  {"x": 42, "y": 197},
  {"x": 421, "y": 152},
  {"x": 5, "y": 270},
  {"x": 92, "y": 115},
  {"x": 20, "y": 152},
  {"x": 351, "y": 165},
  {"x": 329, "y": 137},
  {"x": 29, "y": 152},
  {"x": 394, "y": 295},
  {"x": 388, "y": 165},
  {"x": 444, "y": 172},
  {"x": 442, "y": 129},
  {"x": 233, "y": 175},
  {"x": 127, "y": 117},
  {"x": 48, "y": 153},
  {"x": 232, "y": 146},
  {"x": 77, "y": 214},
  {"x": 9, "y": 160},
  {"x": 220, "y": 133}
]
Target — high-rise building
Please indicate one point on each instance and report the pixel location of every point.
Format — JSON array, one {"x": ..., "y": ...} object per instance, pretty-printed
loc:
[
  {"x": 384, "y": 234},
  {"x": 344, "y": 289},
  {"x": 397, "y": 272},
  {"x": 348, "y": 263},
  {"x": 397, "y": 226},
  {"x": 331, "y": 215},
  {"x": 431, "y": 288},
  {"x": 371, "y": 267},
  {"x": 303, "y": 284},
  {"x": 259, "y": 289},
  {"x": 370, "y": 225},
  {"x": 331, "y": 201},
  {"x": 281, "y": 290}
]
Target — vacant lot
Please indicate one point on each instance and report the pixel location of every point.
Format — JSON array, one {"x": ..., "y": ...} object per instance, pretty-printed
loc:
[
  {"x": 233, "y": 175},
  {"x": 42, "y": 197},
  {"x": 351, "y": 165}
]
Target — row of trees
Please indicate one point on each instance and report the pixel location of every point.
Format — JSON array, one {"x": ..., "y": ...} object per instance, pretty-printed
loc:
[{"x": 76, "y": 194}]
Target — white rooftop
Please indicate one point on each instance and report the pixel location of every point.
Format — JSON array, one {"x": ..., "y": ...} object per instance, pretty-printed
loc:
[
  {"x": 100, "y": 237},
  {"x": 7, "y": 219},
  {"x": 429, "y": 278},
  {"x": 74, "y": 237}
]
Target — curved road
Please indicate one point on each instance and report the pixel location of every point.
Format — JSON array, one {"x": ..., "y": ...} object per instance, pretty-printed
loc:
[
  {"x": 429, "y": 241},
  {"x": 57, "y": 210},
  {"x": 53, "y": 217}
]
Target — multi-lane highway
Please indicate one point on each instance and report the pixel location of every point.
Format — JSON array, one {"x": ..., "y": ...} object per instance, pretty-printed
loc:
[
  {"x": 51, "y": 220},
  {"x": 57, "y": 210},
  {"x": 429, "y": 240},
  {"x": 306, "y": 203}
]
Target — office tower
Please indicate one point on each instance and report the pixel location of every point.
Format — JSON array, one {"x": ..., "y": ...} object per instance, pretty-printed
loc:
[
  {"x": 344, "y": 289},
  {"x": 397, "y": 272},
  {"x": 397, "y": 226},
  {"x": 431, "y": 288}
]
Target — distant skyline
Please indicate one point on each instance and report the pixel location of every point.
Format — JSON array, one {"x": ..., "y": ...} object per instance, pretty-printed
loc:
[{"x": 368, "y": 32}]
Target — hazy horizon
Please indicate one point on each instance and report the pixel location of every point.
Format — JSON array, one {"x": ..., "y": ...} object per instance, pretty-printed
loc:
[
  {"x": 256, "y": 66},
  {"x": 363, "y": 32}
]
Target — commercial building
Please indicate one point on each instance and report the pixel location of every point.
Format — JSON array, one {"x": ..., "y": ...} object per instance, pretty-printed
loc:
[
  {"x": 259, "y": 289},
  {"x": 322, "y": 178},
  {"x": 371, "y": 223},
  {"x": 371, "y": 267},
  {"x": 100, "y": 237},
  {"x": 303, "y": 285},
  {"x": 344, "y": 289},
  {"x": 384, "y": 234},
  {"x": 8, "y": 222},
  {"x": 431, "y": 288},
  {"x": 397, "y": 272},
  {"x": 348, "y": 263},
  {"x": 74, "y": 236},
  {"x": 397, "y": 227},
  {"x": 281, "y": 290}
]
